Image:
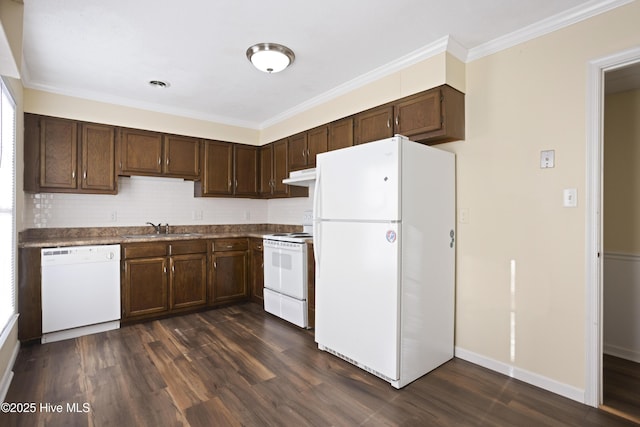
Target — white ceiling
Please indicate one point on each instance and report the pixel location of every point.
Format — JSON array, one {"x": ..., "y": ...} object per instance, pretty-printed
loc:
[{"x": 109, "y": 50}]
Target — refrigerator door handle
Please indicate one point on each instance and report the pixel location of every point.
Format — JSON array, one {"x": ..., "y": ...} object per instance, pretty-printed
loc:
[{"x": 316, "y": 222}]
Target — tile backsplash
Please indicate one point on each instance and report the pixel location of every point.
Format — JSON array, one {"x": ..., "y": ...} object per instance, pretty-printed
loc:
[{"x": 166, "y": 200}]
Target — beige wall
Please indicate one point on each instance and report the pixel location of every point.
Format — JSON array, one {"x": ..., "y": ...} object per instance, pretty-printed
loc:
[
  {"x": 520, "y": 101},
  {"x": 39, "y": 102},
  {"x": 621, "y": 211}
]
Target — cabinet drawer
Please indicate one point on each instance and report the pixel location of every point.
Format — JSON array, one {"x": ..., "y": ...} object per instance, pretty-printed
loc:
[
  {"x": 235, "y": 244},
  {"x": 144, "y": 250},
  {"x": 188, "y": 247}
]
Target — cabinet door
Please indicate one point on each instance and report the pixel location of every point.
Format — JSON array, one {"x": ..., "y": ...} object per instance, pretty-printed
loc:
[
  {"x": 246, "y": 170},
  {"x": 256, "y": 271},
  {"x": 228, "y": 277},
  {"x": 280, "y": 168},
  {"x": 418, "y": 114},
  {"x": 181, "y": 157},
  {"x": 340, "y": 134},
  {"x": 188, "y": 280},
  {"x": 298, "y": 151},
  {"x": 374, "y": 124},
  {"x": 58, "y": 153},
  {"x": 266, "y": 168},
  {"x": 140, "y": 152},
  {"x": 317, "y": 140},
  {"x": 98, "y": 144},
  {"x": 145, "y": 287},
  {"x": 217, "y": 168}
]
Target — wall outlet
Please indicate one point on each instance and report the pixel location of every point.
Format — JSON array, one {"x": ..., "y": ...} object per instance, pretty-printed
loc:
[
  {"x": 196, "y": 215},
  {"x": 113, "y": 216}
]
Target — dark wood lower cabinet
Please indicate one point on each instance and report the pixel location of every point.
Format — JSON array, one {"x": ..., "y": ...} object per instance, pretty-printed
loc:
[
  {"x": 161, "y": 278},
  {"x": 145, "y": 287},
  {"x": 229, "y": 267},
  {"x": 188, "y": 280}
]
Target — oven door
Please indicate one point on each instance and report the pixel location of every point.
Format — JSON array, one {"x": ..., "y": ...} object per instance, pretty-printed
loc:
[{"x": 285, "y": 269}]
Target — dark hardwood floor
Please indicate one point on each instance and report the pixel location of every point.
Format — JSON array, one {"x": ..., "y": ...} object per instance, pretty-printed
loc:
[
  {"x": 240, "y": 366},
  {"x": 621, "y": 386}
]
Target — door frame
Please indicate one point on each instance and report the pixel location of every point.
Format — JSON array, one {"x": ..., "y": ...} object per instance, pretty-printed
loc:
[{"x": 594, "y": 223}]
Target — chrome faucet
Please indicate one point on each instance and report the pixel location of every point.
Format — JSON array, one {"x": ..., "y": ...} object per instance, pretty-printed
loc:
[{"x": 156, "y": 227}]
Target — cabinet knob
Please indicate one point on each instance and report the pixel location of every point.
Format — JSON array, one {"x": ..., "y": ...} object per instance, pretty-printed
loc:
[
  {"x": 397, "y": 121},
  {"x": 84, "y": 175},
  {"x": 73, "y": 175},
  {"x": 388, "y": 123},
  {"x": 159, "y": 161}
]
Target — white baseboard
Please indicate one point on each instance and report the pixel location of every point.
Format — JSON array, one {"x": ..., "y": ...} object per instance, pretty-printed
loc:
[
  {"x": 623, "y": 353},
  {"x": 534, "y": 379},
  {"x": 5, "y": 382}
]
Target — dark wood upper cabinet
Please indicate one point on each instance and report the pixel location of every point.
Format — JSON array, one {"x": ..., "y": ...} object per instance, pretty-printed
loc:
[
  {"x": 246, "y": 170},
  {"x": 340, "y": 134},
  {"x": 181, "y": 157},
  {"x": 265, "y": 182},
  {"x": 297, "y": 151},
  {"x": 98, "y": 145},
  {"x": 68, "y": 156},
  {"x": 140, "y": 152},
  {"x": 156, "y": 154},
  {"x": 58, "y": 153},
  {"x": 317, "y": 142},
  {"x": 374, "y": 124},
  {"x": 217, "y": 169},
  {"x": 280, "y": 169},
  {"x": 228, "y": 170},
  {"x": 431, "y": 117},
  {"x": 304, "y": 147}
]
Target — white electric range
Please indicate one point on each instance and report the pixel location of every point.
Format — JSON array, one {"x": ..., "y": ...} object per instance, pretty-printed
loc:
[{"x": 285, "y": 276}]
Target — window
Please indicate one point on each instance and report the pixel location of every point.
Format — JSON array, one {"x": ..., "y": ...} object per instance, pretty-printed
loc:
[{"x": 7, "y": 207}]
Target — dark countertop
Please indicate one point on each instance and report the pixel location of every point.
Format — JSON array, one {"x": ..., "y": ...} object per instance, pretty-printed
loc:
[{"x": 59, "y": 237}]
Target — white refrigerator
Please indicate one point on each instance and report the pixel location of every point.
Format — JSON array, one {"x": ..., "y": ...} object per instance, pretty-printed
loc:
[{"x": 384, "y": 234}]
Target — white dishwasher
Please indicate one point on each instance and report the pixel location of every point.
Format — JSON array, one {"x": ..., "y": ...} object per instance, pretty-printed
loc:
[{"x": 80, "y": 291}]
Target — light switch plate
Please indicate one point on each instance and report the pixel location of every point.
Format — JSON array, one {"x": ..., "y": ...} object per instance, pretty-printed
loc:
[
  {"x": 547, "y": 159},
  {"x": 570, "y": 198}
]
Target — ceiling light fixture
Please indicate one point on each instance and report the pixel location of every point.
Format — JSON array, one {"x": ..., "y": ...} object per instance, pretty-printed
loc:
[
  {"x": 270, "y": 57},
  {"x": 158, "y": 84}
]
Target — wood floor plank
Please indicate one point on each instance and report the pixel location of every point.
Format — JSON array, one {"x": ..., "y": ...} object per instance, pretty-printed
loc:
[{"x": 239, "y": 366}]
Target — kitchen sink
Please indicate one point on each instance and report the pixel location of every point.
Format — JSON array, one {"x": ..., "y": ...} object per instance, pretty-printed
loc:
[{"x": 156, "y": 236}]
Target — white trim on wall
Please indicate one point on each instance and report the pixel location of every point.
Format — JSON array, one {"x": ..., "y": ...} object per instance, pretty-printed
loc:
[{"x": 532, "y": 378}]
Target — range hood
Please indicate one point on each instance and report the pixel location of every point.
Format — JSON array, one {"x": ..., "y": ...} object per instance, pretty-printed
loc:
[{"x": 302, "y": 178}]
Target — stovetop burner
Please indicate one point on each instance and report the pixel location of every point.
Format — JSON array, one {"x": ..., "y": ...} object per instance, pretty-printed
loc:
[{"x": 297, "y": 237}]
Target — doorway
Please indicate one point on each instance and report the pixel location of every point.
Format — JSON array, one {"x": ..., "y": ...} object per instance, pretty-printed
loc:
[
  {"x": 621, "y": 242},
  {"x": 602, "y": 73}
]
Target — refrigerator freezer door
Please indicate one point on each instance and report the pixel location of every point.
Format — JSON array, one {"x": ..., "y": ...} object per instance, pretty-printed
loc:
[
  {"x": 359, "y": 183},
  {"x": 357, "y": 293}
]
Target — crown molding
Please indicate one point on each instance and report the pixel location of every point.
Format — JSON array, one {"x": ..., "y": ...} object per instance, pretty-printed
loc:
[
  {"x": 546, "y": 26},
  {"x": 432, "y": 49}
]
